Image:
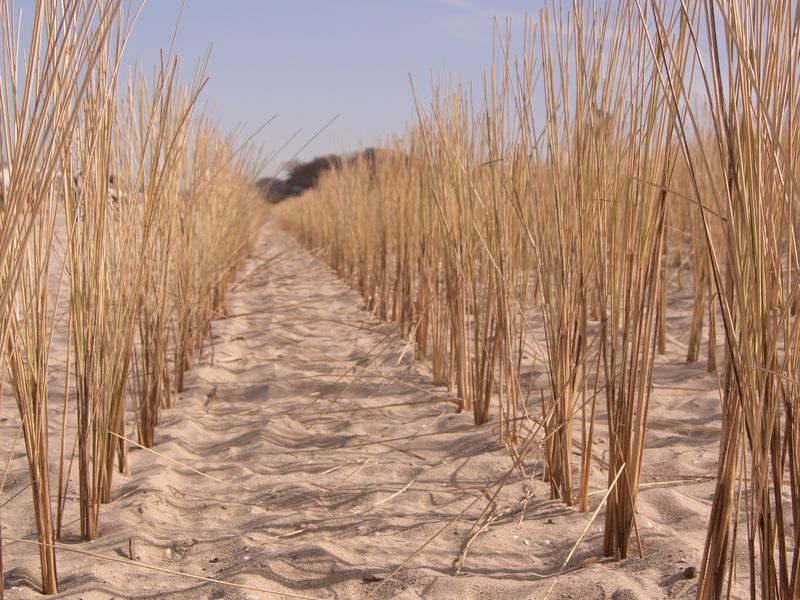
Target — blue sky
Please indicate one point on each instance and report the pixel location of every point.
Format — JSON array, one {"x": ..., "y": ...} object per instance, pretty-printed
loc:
[{"x": 308, "y": 60}]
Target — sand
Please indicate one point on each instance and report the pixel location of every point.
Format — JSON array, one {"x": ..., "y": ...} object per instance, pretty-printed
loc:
[{"x": 329, "y": 460}]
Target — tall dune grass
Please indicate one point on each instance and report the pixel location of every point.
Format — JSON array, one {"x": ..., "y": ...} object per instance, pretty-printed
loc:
[
  {"x": 159, "y": 209},
  {"x": 40, "y": 105},
  {"x": 101, "y": 260},
  {"x": 751, "y": 84},
  {"x": 219, "y": 215},
  {"x": 162, "y": 117},
  {"x": 541, "y": 221}
]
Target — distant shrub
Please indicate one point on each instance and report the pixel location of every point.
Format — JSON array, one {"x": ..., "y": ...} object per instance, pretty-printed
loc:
[{"x": 305, "y": 175}]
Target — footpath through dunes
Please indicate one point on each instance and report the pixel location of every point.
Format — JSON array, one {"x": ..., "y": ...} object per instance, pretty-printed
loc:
[{"x": 323, "y": 459}]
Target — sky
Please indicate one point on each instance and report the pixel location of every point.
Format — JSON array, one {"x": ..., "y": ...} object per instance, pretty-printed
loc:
[{"x": 307, "y": 61}]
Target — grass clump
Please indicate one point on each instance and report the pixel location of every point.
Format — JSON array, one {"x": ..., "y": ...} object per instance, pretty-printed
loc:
[{"x": 125, "y": 215}]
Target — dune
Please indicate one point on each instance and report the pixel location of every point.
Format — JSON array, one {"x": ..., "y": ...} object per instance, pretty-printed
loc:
[{"x": 309, "y": 456}]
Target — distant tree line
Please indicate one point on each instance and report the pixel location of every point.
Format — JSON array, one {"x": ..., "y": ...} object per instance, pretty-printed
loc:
[{"x": 302, "y": 176}]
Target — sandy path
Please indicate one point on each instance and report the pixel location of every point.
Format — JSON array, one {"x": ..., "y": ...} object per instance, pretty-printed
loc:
[{"x": 334, "y": 459}]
